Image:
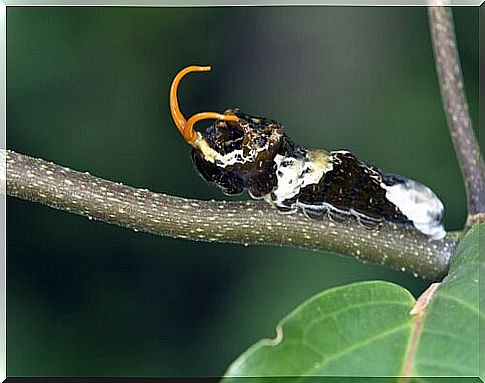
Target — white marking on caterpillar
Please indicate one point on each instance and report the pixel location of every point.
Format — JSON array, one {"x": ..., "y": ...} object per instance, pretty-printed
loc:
[
  {"x": 295, "y": 173},
  {"x": 209, "y": 153},
  {"x": 419, "y": 204},
  {"x": 316, "y": 166},
  {"x": 236, "y": 156},
  {"x": 288, "y": 172}
]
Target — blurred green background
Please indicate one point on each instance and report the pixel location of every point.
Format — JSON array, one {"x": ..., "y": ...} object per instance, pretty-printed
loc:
[{"x": 88, "y": 88}]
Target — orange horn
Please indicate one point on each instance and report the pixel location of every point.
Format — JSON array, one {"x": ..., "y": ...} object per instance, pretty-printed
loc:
[{"x": 186, "y": 128}]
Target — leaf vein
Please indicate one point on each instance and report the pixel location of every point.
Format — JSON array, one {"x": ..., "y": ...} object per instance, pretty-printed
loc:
[
  {"x": 338, "y": 312},
  {"x": 462, "y": 303},
  {"x": 358, "y": 345},
  {"x": 444, "y": 334}
]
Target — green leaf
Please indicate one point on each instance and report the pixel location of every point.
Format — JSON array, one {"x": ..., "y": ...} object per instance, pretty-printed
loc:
[
  {"x": 371, "y": 329},
  {"x": 342, "y": 331},
  {"x": 449, "y": 342}
]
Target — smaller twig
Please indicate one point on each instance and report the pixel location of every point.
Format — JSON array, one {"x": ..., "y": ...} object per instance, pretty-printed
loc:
[{"x": 456, "y": 109}]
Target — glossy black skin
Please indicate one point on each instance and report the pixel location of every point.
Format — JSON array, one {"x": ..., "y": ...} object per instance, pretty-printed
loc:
[
  {"x": 351, "y": 187},
  {"x": 352, "y": 184},
  {"x": 257, "y": 176}
]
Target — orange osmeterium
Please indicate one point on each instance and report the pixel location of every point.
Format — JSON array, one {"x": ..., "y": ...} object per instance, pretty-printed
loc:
[{"x": 186, "y": 127}]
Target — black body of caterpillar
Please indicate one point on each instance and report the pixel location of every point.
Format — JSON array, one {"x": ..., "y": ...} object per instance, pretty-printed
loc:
[
  {"x": 254, "y": 154},
  {"x": 241, "y": 152}
]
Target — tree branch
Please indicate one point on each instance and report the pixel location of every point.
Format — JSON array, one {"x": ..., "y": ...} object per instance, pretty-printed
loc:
[
  {"x": 251, "y": 222},
  {"x": 456, "y": 108}
]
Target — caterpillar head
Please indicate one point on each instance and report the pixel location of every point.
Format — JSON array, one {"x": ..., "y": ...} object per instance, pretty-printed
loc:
[{"x": 237, "y": 151}]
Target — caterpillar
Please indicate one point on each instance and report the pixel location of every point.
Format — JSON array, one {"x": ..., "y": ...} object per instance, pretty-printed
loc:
[{"x": 242, "y": 152}]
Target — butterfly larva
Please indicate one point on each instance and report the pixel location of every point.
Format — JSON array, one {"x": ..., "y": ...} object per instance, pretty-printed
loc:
[{"x": 242, "y": 152}]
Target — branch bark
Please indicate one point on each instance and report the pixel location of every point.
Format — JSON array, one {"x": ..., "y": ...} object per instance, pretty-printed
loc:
[
  {"x": 456, "y": 108},
  {"x": 251, "y": 222}
]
